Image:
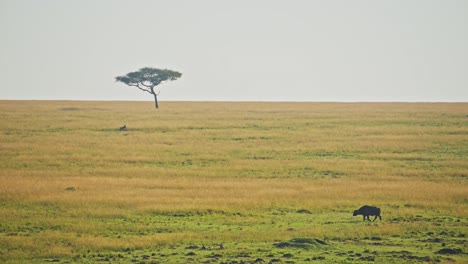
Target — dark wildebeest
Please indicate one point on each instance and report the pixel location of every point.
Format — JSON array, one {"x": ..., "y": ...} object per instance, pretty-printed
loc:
[
  {"x": 366, "y": 211},
  {"x": 123, "y": 128}
]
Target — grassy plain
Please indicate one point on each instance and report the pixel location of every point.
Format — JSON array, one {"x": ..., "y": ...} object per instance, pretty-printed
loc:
[{"x": 199, "y": 182}]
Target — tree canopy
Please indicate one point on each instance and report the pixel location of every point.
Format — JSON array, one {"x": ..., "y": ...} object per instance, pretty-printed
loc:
[{"x": 147, "y": 78}]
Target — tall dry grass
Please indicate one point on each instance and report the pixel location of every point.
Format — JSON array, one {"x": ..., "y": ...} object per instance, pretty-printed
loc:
[
  {"x": 236, "y": 158},
  {"x": 402, "y": 148},
  {"x": 103, "y": 194}
]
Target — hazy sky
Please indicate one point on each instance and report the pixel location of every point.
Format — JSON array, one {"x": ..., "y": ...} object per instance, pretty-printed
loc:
[{"x": 260, "y": 50}]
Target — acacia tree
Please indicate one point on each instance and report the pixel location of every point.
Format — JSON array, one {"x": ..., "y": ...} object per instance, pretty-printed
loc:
[{"x": 147, "y": 78}]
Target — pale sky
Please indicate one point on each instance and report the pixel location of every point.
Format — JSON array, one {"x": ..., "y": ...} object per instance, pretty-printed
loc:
[{"x": 239, "y": 50}]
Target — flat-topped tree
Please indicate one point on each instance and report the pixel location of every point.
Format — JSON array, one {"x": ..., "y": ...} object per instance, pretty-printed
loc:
[{"x": 147, "y": 78}]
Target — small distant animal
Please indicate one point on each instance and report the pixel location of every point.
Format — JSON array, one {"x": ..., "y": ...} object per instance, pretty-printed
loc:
[
  {"x": 123, "y": 128},
  {"x": 367, "y": 211}
]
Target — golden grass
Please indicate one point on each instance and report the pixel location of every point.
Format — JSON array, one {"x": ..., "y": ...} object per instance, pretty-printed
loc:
[
  {"x": 106, "y": 195},
  {"x": 364, "y": 145},
  {"x": 239, "y": 158}
]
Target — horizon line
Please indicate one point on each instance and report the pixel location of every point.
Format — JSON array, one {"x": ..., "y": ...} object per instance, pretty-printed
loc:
[{"x": 229, "y": 101}]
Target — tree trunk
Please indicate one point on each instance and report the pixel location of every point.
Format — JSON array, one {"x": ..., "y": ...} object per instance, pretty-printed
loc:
[{"x": 155, "y": 100}]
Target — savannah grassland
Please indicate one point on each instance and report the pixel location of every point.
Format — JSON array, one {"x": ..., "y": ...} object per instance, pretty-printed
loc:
[{"x": 232, "y": 182}]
